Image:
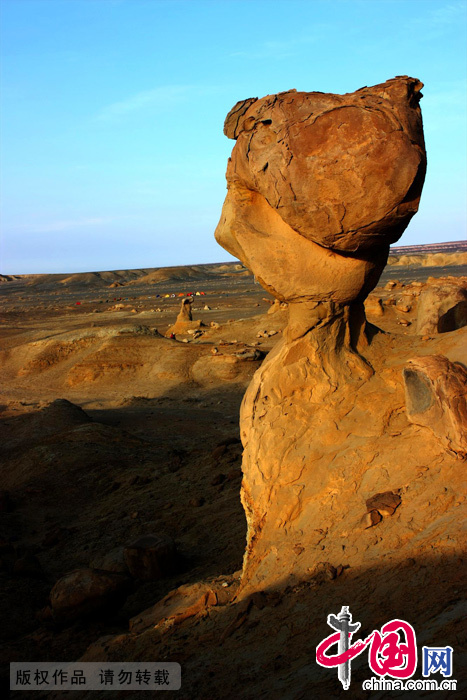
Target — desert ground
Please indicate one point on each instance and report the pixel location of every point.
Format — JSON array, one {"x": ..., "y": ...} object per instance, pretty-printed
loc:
[{"x": 112, "y": 431}]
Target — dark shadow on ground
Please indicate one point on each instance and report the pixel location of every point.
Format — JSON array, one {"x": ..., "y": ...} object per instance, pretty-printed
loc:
[
  {"x": 264, "y": 647},
  {"x": 96, "y": 482}
]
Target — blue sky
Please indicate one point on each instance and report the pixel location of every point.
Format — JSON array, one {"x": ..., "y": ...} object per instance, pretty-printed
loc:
[{"x": 113, "y": 110}]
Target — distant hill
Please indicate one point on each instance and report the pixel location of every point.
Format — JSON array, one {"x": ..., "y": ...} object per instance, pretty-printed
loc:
[
  {"x": 430, "y": 255},
  {"x": 86, "y": 279},
  {"x": 117, "y": 278},
  {"x": 428, "y": 248},
  {"x": 192, "y": 272}
]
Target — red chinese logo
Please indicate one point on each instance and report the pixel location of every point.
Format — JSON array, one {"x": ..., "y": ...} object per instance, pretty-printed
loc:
[
  {"x": 389, "y": 655},
  {"x": 392, "y": 651}
]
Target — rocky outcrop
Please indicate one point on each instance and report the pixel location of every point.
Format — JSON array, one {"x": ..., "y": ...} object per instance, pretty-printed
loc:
[
  {"x": 442, "y": 308},
  {"x": 185, "y": 311},
  {"x": 222, "y": 367},
  {"x": 184, "y": 322},
  {"x": 318, "y": 187},
  {"x": 184, "y": 602},
  {"x": 374, "y": 306},
  {"x": 86, "y": 592},
  {"x": 436, "y": 398}
]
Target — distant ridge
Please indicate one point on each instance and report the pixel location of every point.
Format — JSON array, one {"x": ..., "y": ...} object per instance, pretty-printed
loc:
[
  {"x": 120, "y": 278},
  {"x": 451, "y": 247},
  {"x": 430, "y": 254}
]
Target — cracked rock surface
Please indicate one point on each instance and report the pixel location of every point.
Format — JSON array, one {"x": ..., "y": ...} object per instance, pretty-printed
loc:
[{"x": 329, "y": 181}]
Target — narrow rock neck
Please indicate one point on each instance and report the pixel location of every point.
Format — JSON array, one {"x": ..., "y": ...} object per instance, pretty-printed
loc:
[{"x": 344, "y": 322}]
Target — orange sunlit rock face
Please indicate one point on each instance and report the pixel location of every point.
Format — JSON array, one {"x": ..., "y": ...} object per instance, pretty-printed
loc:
[{"x": 319, "y": 186}]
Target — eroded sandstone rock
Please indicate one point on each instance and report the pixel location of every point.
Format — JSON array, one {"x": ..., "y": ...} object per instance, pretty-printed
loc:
[
  {"x": 85, "y": 592},
  {"x": 436, "y": 397},
  {"x": 185, "y": 310},
  {"x": 184, "y": 602},
  {"x": 442, "y": 308},
  {"x": 318, "y": 187},
  {"x": 385, "y": 503},
  {"x": 316, "y": 174},
  {"x": 184, "y": 322},
  {"x": 374, "y": 306},
  {"x": 220, "y": 367}
]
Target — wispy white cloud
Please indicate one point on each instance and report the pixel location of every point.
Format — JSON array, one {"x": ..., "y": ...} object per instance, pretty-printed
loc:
[
  {"x": 268, "y": 49},
  {"x": 65, "y": 225},
  {"x": 160, "y": 97},
  {"x": 438, "y": 21},
  {"x": 284, "y": 48},
  {"x": 447, "y": 14},
  {"x": 428, "y": 26}
]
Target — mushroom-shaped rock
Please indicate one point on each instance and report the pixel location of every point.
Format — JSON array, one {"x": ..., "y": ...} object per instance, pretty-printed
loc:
[
  {"x": 319, "y": 185},
  {"x": 185, "y": 310},
  {"x": 184, "y": 321}
]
